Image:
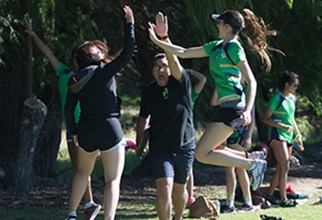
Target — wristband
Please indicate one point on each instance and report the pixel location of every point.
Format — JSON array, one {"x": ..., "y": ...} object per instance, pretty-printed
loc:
[{"x": 164, "y": 37}]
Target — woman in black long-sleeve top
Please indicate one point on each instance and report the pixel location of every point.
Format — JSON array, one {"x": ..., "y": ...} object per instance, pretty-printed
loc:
[{"x": 99, "y": 128}]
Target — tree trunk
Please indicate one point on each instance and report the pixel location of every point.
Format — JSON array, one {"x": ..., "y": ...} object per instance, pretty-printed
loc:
[
  {"x": 45, "y": 163},
  {"x": 31, "y": 120}
]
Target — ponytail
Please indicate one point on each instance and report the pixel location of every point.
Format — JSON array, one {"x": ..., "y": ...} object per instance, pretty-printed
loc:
[{"x": 256, "y": 33}]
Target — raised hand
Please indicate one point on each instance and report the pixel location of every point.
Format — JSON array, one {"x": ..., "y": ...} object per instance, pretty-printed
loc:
[
  {"x": 161, "y": 25},
  {"x": 152, "y": 34},
  {"x": 28, "y": 29},
  {"x": 128, "y": 14}
]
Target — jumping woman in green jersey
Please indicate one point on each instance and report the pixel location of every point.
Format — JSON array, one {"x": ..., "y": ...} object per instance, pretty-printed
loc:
[
  {"x": 280, "y": 117},
  {"x": 228, "y": 63}
]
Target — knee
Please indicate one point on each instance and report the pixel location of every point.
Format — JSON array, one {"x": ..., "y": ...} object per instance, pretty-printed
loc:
[{"x": 199, "y": 154}]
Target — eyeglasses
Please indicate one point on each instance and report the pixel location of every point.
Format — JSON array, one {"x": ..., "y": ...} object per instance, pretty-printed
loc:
[{"x": 156, "y": 67}]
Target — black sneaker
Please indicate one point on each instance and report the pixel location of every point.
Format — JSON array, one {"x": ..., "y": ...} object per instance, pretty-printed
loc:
[
  {"x": 226, "y": 209},
  {"x": 271, "y": 199},
  {"x": 287, "y": 203}
]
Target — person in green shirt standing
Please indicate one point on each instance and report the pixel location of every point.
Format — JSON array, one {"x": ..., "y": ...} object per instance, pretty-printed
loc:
[{"x": 280, "y": 116}]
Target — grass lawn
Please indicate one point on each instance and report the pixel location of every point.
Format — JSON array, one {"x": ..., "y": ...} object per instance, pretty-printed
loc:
[
  {"x": 144, "y": 209},
  {"x": 137, "y": 211}
]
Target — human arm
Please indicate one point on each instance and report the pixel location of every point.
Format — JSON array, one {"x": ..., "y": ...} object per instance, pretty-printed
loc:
[
  {"x": 193, "y": 52},
  {"x": 161, "y": 29},
  {"x": 45, "y": 50},
  {"x": 267, "y": 119},
  {"x": 70, "y": 105},
  {"x": 214, "y": 98},
  {"x": 298, "y": 135},
  {"x": 201, "y": 80},
  {"x": 252, "y": 87},
  {"x": 129, "y": 40},
  {"x": 247, "y": 141},
  {"x": 141, "y": 125}
]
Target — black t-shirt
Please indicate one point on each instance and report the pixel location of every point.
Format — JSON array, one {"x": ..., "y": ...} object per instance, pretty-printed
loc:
[{"x": 171, "y": 115}]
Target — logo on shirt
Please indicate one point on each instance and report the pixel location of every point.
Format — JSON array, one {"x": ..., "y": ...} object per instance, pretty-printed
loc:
[{"x": 165, "y": 93}]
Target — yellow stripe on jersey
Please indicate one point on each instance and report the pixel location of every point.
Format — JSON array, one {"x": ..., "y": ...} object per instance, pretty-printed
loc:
[
  {"x": 279, "y": 112},
  {"x": 224, "y": 65}
]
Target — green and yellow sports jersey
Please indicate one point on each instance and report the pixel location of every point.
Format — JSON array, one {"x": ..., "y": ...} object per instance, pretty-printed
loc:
[
  {"x": 283, "y": 112},
  {"x": 64, "y": 73},
  {"x": 226, "y": 74}
]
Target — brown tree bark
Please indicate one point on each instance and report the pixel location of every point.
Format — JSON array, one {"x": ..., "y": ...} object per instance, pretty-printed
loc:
[
  {"x": 31, "y": 120},
  {"x": 45, "y": 163}
]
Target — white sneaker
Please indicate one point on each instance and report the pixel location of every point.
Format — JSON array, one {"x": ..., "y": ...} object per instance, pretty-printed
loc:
[
  {"x": 258, "y": 155},
  {"x": 258, "y": 173}
]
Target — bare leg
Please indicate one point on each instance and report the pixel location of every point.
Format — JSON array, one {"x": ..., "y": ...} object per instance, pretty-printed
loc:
[
  {"x": 207, "y": 152},
  {"x": 282, "y": 154},
  {"x": 180, "y": 197},
  {"x": 230, "y": 185},
  {"x": 85, "y": 167},
  {"x": 244, "y": 183},
  {"x": 113, "y": 163},
  {"x": 73, "y": 154},
  {"x": 190, "y": 185},
  {"x": 164, "y": 198}
]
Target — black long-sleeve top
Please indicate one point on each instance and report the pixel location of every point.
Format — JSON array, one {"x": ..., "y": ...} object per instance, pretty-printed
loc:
[{"x": 98, "y": 97}]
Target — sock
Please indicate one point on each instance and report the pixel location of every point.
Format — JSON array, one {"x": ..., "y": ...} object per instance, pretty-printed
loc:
[
  {"x": 89, "y": 204},
  {"x": 248, "y": 200},
  {"x": 230, "y": 200}
]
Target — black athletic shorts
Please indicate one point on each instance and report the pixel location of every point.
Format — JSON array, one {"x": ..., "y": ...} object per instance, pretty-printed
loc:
[
  {"x": 101, "y": 134},
  {"x": 230, "y": 114}
]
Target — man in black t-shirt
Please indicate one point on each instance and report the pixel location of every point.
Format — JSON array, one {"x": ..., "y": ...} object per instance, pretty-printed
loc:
[{"x": 166, "y": 107}]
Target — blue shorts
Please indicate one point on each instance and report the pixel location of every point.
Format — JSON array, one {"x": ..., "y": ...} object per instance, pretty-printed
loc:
[{"x": 175, "y": 164}]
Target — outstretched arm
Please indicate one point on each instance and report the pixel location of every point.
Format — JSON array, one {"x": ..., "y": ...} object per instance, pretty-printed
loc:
[
  {"x": 193, "y": 52},
  {"x": 42, "y": 47},
  {"x": 161, "y": 29}
]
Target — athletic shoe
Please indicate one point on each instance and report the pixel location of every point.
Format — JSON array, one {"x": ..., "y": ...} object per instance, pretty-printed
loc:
[
  {"x": 298, "y": 195},
  {"x": 271, "y": 199},
  {"x": 91, "y": 212},
  {"x": 258, "y": 155},
  {"x": 258, "y": 173},
  {"x": 287, "y": 203},
  {"x": 226, "y": 209},
  {"x": 71, "y": 217},
  {"x": 250, "y": 208}
]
